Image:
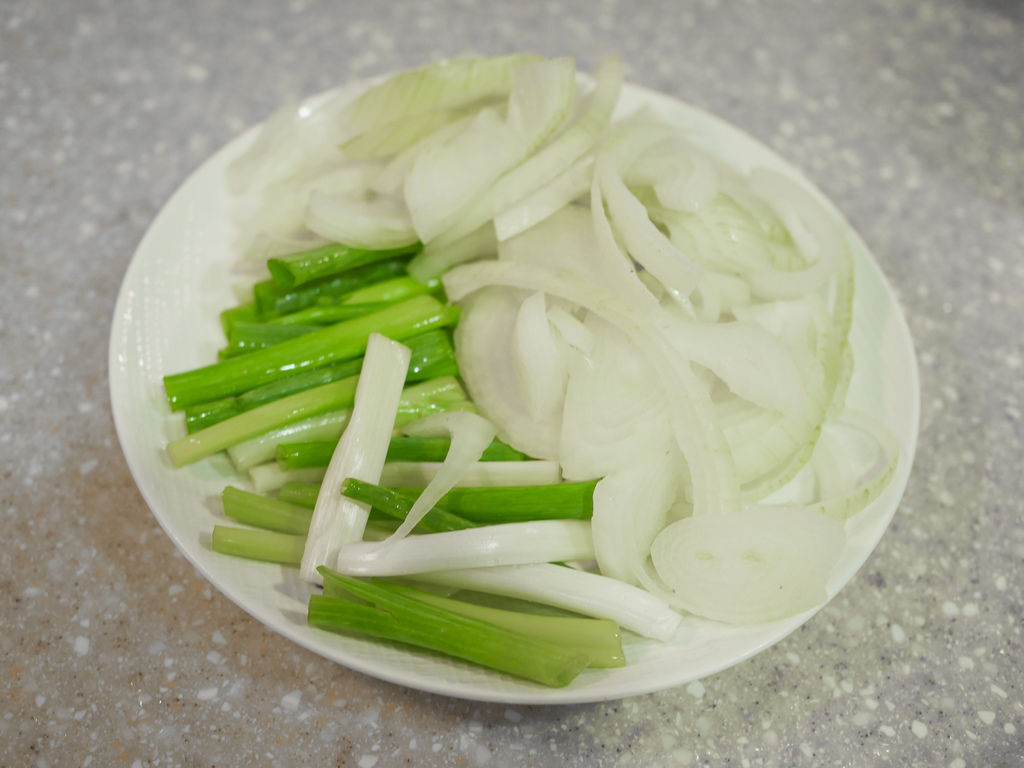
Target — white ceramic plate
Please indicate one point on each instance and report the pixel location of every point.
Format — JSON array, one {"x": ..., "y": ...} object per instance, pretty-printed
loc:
[{"x": 166, "y": 320}]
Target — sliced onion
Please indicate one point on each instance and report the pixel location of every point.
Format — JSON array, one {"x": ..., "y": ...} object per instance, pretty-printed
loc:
[
  {"x": 849, "y": 495},
  {"x": 538, "y": 360},
  {"x": 644, "y": 241},
  {"x": 381, "y": 223},
  {"x": 399, "y": 135},
  {"x": 749, "y": 566},
  {"x": 435, "y": 260},
  {"x": 391, "y": 178},
  {"x": 613, "y": 270},
  {"x": 483, "y": 349},
  {"x": 814, "y": 230},
  {"x": 295, "y": 139},
  {"x": 279, "y": 213},
  {"x": 541, "y": 99},
  {"x": 611, "y": 410},
  {"x": 631, "y": 506},
  {"x": 546, "y": 201},
  {"x": 447, "y": 178},
  {"x": 447, "y": 84},
  {"x": 552, "y": 159},
  {"x": 752, "y": 362},
  {"x": 563, "y": 241}
]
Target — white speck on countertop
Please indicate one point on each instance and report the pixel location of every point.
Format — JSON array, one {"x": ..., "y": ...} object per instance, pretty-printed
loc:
[
  {"x": 81, "y": 645},
  {"x": 950, "y": 608},
  {"x": 87, "y": 466},
  {"x": 218, "y": 638},
  {"x": 987, "y": 716},
  {"x": 919, "y": 729},
  {"x": 196, "y": 73},
  {"x": 290, "y": 701},
  {"x": 898, "y": 635},
  {"x": 368, "y": 761},
  {"x": 207, "y": 694},
  {"x": 696, "y": 689},
  {"x": 175, "y": 589}
]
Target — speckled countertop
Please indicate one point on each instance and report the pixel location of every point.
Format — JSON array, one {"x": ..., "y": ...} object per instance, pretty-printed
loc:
[{"x": 114, "y": 651}]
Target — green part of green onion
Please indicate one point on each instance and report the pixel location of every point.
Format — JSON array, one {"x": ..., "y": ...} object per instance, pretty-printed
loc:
[
  {"x": 405, "y": 619},
  {"x": 269, "y": 546},
  {"x": 327, "y": 345},
  {"x": 326, "y": 261}
]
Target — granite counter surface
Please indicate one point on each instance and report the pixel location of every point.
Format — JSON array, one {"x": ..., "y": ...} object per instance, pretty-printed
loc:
[{"x": 115, "y": 651}]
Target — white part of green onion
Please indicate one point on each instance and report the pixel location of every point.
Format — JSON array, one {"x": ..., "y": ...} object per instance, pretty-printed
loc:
[
  {"x": 538, "y": 541},
  {"x": 570, "y": 589},
  {"x": 362, "y": 449}
]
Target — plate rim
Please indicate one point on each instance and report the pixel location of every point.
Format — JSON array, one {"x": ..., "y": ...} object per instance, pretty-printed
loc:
[{"x": 515, "y": 692}]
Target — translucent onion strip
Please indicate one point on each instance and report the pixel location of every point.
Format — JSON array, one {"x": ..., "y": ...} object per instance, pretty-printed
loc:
[{"x": 749, "y": 566}]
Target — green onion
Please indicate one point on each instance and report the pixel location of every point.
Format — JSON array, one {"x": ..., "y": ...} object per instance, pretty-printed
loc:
[
  {"x": 395, "y": 289},
  {"x": 270, "y": 546},
  {"x": 273, "y": 301},
  {"x": 250, "y": 424},
  {"x": 402, "y": 618},
  {"x": 600, "y": 639},
  {"x": 204, "y": 415},
  {"x": 418, "y": 400},
  {"x": 328, "y": 260},
  {"x": 397, "y": 506},
  {"x": 485, "y": 505},
  {"x": 317, "y": 453},
  {"x": 243, "y": 313},
  {"x": 333, "y": 343},
  {"x": 328, "y": 314},
  {"x": 265, "y": 512},
  {"x": 299, "y": 493},
  {"x": 432, "y": 356},
  {"x": 248, "y": 337},
  {"x": 506, "y": 504}
]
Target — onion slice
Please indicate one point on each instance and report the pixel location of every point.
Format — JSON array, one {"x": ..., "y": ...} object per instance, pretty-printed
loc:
[{"x": 749, "y": 566}]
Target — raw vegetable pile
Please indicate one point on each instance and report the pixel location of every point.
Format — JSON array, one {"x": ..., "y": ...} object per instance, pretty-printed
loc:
[{"x": 507, "y": 345}]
